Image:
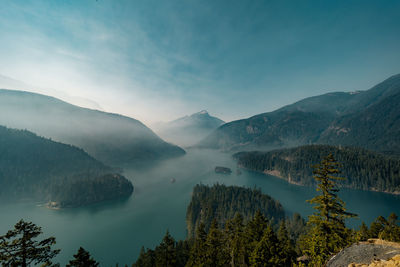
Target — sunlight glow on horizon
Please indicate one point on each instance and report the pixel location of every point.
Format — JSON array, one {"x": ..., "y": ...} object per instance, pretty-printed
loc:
[{"x": 157, "y": 61}]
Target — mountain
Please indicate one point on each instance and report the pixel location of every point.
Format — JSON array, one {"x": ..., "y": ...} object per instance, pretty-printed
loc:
[
  {"x": 376, "y": 126},
  {"x": 368, "y": 119},
  {"x": 32, "y": 167},
  {"x": 363, "y": 169},
  {"x": 111, "y": 138},
  {"x": 189, "y": 130}
]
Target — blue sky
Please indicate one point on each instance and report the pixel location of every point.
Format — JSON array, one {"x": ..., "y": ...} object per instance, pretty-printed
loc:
[{"x": 159, "y": 60}]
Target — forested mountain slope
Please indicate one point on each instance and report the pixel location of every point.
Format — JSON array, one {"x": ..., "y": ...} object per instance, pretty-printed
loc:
[
  {"x": 368, "y": 119},
  {"x": 376, "y": 128},
  {"x": 39, "y": 169}
]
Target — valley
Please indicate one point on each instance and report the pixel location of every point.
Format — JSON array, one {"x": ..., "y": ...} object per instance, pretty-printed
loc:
[
  {"x": 97, "y": 159},
  {"x": 199, "y": 133}
]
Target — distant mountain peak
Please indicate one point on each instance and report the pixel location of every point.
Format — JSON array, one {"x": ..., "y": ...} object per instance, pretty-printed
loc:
[
  {"x": 203, "y": 112},
  {"x": 188, "y": 130}
]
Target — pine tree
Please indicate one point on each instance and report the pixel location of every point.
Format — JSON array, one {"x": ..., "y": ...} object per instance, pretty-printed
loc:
[
  {"x": 216, "y": 254},
  {"x": 182, "y": 253},
  {"x": 287, "y": 253},
  {"x": 234, "y": 231},
  {"x": 198, "y": 251},
  {"x": 166, "y": 252},
  {"x": 328, "y": 233},
  {"x": 145, "y": 259},
  {"x": 363, "y": 233},
  {"x": 140, "y": 262},
  {"x": 377, "y": 226},
  {"x": 391, "y": 231},
  {"x": 267, "y": 251},
  {"x": 82, "y": 259},
  {"x": 19, "y": 248},
  {"x": 254, "y": 232}
]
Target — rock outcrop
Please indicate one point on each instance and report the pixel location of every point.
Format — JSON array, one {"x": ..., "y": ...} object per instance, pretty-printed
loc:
[{"x": 374, "y": 252}]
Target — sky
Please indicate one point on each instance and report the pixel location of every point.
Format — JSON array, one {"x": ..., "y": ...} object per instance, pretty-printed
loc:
[{"x": 159, "y": 60}]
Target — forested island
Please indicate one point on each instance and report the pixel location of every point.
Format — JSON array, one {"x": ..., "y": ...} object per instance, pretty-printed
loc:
[
  {"x": 222, "y": 203},
  {"x": 42, "y": 170},
  {"x": 363, "y": 169},
  {"x": 256, "y": 242},
  {"x": 223, "y": 170}
]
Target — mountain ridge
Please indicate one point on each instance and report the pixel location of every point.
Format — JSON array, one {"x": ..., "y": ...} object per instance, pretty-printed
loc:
[
  {"x": 189, "y": 129},
  {"x": 112, "y": 138},
  {"x": 308, "y": 121}
]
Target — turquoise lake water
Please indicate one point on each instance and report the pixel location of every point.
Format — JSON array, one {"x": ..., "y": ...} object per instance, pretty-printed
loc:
[{"x": 114, "y": 232}]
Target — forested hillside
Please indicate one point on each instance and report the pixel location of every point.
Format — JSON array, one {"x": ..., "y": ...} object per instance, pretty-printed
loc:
[
  {"x": 362, "y": 169},
  {"x": 222, "y": 202},
  {"x": 368, "y": 119},
  {"x": 43, "y": 170},
  {"x": 375, "y": 128}
]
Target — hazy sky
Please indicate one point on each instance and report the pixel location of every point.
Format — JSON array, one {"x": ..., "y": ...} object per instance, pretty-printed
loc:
[{"x": 158, "y": 60}]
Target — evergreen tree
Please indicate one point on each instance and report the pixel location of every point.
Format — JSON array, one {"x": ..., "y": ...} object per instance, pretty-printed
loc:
[
  {"x": 377, "y": 227},
  {"x": 391, "y": 230},
  {"x": 328, "y": 233},
  {"x": 287, "y": 253},
  {"x": 267, "y": 251},
  {"x": 254, "y": 232},
  {"x": 82, "y": 259},
  {"x": 145, "y": 259},
  {"x": 182, "y": 253},
  {"x": 363, "y": 233},
  {"x": 216, "y": 254},
  {"x": 234, "y": 231},
  {"x": 18, "y": 247},
  {"x": 140, "y": 261},
  {"x": 198, "y": 251},
  {"x": 166, "y": 252}
]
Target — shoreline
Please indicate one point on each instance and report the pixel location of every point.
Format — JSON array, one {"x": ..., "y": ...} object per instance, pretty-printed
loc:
[{"x": 278, "y": 175}]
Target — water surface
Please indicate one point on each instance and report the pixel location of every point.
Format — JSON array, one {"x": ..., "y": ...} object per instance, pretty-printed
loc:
[{"x": 115, "y": 231}]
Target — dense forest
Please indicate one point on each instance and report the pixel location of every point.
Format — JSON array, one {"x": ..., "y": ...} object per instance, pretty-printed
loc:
[
  {"x": 225, "y": 226},
  {"x": 255, "y": 243},
  {"x": 362, "y": 169},
  {"x": 222, "y": 202},
  {"x": 43, "y": 170}
]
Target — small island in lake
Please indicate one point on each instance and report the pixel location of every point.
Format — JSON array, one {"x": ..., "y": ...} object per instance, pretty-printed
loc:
[{"x": 223, "y": 170}]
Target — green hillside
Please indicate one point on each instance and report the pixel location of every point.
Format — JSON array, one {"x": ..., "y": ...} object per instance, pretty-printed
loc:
[
  {"x": 39, "y": 169},
  {"x": 366, "y": 170}
]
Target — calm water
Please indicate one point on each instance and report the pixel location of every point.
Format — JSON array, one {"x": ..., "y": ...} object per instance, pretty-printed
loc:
[{"x": 115, "y": 231}]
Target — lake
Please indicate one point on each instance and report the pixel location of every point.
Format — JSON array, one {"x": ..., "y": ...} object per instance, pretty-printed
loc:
[{"x": 113, "y": 232}]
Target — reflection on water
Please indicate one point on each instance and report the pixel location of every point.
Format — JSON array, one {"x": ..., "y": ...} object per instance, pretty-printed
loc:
[{"x": 115, "y": 231}]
